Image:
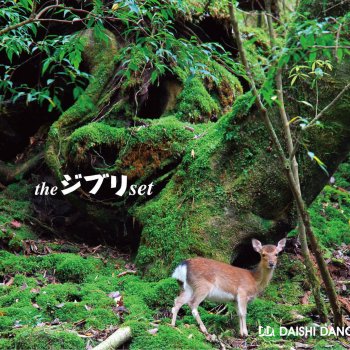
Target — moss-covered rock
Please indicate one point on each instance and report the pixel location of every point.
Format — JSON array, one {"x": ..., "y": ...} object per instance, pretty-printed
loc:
[
  {"x": 209, "y": 97},
  {"x": 73, "y": 268},
  {"x": 195, "y": 102}
]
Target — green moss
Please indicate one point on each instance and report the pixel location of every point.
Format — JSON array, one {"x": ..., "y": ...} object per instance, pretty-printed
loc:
[
  {"x": 15, "y": 206},
  {"x": 138, "y": 152},
  {"x": 94, "y": 134},
  {"x": 149, "y": 292},
  {"x": 88, "y": 301},
  {"x": 80, "y": 294},
  {"x": 10, "y": 263},
  {"x": 23, "y": 314},
  {"x": 64, "y": 248},
  {"x": 170, "y": 338},
  {"x": 343, "y": 175},
  {"x": 324, "y": 344},
  {"x": 170, "y": 236},
  {"x": 43, "y": 339},
  {"x": 257, "y": 50},
  {"x": 330, "y": 211},
  {"x": 168, "y": 288},
  {"x": 202, "y": 98},
  {"x": 288, "y": 290},
  {"x": 226, "y": 87},
  {"x": 6, "y": 344},
  {"x": 330, "y": 214},
  {"x": 73, "y": 268},
  {"x": 195, "y": 103},
  {"x": 54, "y": 294},
  {"x": 77, "y": 311}
]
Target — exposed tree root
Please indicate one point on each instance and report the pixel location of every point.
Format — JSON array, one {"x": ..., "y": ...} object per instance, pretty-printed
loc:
[
  {"x": 100, "y": 58},
  {"x": 9, "y": 173}
]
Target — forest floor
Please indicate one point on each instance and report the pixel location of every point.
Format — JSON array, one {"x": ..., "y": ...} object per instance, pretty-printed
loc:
[
  {"x": 63, "y": 295},
  {"x": 59, "y": 294}
]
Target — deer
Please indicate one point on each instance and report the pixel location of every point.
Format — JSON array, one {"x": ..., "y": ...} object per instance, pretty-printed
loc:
[{"x": 205, "y": 279}]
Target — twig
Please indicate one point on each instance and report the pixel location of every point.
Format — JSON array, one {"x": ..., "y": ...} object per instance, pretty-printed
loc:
[
  {"x": 189, "y": 128},
  {"x": 38, "y": 17},
  {"x": 330, "y": 47},
  {"x": 131, "y": 272},
  {"x": 337, "y": 42},
  {"x": 330, "y": 105},
  {"x": 317, "y": 117}
]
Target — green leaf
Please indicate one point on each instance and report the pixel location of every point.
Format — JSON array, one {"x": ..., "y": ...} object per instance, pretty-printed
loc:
[
  {"x": 294, "y": 119},
  {"x": 293, "y": 80},
  {"x": 154, "y": 76},
  {"x": 33, "y": 28},
  {"x": 307, "y": 104},
  {"x": 9, "y": 54},
  {"x": 77, "y": 91},
  {"x": 312, "y": 56},
  {"x": 45, "y": 66},
  {"x": 340, "y": 54}
]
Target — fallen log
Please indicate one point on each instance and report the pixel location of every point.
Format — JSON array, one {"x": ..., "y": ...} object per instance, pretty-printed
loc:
[{"x": 119, "y": 337}]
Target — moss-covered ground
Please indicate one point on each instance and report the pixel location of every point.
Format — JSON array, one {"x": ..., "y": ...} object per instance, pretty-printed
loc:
[
  {"x": 66, "y": 301},
  {"x": 60, "y": 300}
]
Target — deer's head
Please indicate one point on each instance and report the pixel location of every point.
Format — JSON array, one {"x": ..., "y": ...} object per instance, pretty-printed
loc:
[{"x": 268, "y": 252}]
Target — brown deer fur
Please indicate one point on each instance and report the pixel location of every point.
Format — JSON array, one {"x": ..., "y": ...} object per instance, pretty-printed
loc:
[{"x": 216, "y": 281}]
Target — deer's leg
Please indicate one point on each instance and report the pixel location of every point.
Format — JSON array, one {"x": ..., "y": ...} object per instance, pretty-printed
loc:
[
  {"x": 182, "y": 299},
  {"x": 197, "y": 298},
  {"x": 242, "y": 302}
]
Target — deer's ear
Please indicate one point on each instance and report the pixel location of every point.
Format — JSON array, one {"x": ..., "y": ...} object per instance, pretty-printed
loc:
[
  {"x": 256, "y": 245},
  {"x": 281, "y": 244}
]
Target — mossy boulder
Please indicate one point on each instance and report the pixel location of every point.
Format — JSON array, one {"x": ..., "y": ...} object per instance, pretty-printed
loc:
[
  {"x": 73, "y": 268},
  {"x": 195, "y": 102}
]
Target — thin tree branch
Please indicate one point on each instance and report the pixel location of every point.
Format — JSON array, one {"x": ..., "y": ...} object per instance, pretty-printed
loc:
[
  {"x": 338, "y": 321},
  {"x": 317, "y": 117},
  {"x": 270, "y": 24},
  {"x": 330, "y": 47},
  {"x": 329, "y": 106},
  {"x": 337, "y": 42},
  {"x": 17, "y": 25},
  {"x": 38, "y": 17},
  {"x": 256, "y": 94}
]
